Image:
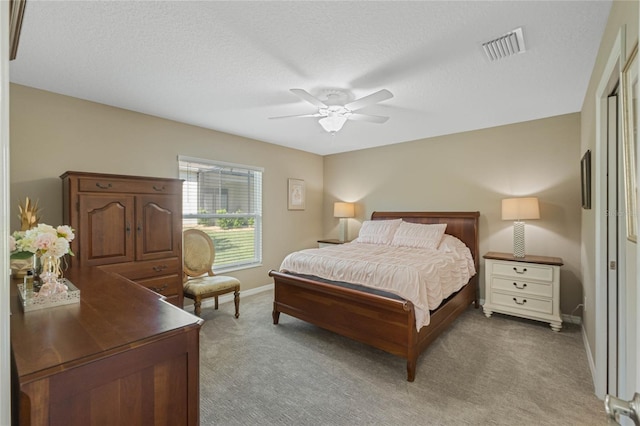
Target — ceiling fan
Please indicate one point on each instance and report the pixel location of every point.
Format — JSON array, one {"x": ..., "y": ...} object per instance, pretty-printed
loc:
[{"x": 334, "y": 112}]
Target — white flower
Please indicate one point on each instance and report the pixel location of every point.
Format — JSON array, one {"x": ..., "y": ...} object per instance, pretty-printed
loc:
[
  {"x": 59, "y": 247},
  {"x": 43, "y": 240},
  {"x": 66, "y": 232}
]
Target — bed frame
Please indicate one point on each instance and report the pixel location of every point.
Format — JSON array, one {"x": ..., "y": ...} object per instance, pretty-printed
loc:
[{"x": 382, "y": 322}]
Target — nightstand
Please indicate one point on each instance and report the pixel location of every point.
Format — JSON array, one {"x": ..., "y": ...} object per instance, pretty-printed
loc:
[
  {"x": 329, "y": 242},
  {"x": 527, "y": 287}
]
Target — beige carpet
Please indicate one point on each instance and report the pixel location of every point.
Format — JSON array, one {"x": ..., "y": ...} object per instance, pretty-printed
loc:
[{"x": 497, "y": 371}]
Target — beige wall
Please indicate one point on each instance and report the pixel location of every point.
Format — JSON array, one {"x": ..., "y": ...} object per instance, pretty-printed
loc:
[
  {"x": 474, "y": 171},
  {"x": 622, "y": 13},
  {"x": 51, "y": 134}
]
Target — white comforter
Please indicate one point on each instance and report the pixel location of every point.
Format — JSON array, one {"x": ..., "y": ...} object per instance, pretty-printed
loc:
[{"x": 425, "y": 277}]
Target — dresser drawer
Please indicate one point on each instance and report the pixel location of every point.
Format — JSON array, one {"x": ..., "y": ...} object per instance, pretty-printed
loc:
[
  {"x": 148, "y": 269},
  {"x": 524, "y": 288},
  {"x": 523, "y": 271},
  {"x": 107, "y": 185},
  {"x": 524, "y": 303},
  {"x": 168, "y": 285}
]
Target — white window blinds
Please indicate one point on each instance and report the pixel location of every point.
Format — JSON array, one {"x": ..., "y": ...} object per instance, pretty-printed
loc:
[{"x": 225, "y": 201}]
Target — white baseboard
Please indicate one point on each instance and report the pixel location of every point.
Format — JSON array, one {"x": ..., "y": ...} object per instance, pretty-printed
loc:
[
  {"x": 210, "y": 302},
  {"x": 592, "y": 364},
  {"x": 571, "y": 319}
]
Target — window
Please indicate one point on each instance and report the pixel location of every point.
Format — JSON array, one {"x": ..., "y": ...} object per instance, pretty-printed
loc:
[{"x": 225, "y": 201}]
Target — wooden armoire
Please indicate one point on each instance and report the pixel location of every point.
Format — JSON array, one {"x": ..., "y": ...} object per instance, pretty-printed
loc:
[{"x": 130, "y": 225}]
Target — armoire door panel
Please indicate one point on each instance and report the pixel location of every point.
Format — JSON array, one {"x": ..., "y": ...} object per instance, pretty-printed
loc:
[
  {"x": 158, "y": 227},
  {"x": 106, "y": 229}
]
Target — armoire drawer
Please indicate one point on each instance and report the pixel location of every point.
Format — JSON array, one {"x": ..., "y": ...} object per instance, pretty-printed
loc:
[
  {"x": 148, "y": 269},
  {"x": 107, "y": 185},
  {"x": 168, "y": 285}
]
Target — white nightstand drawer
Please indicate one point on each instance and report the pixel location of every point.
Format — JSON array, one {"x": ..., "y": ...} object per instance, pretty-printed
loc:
[
  {"x": 524, "y": 288},
  {"x": 524, "y": 271},
  {"x": 522, "y": 302}
]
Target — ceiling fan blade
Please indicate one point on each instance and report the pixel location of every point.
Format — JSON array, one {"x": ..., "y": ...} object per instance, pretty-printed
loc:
[
  {"x": 366, "y": 117},
  {"x": 371, "y": 99},
  {"x": 309, "y": 98},
  {"x": 296, "y": 116}
]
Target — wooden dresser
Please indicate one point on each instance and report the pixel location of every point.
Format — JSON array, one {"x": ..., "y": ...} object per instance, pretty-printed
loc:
[
  {"x": 132, "y": 224},
  {"x": 123, "y": 355}
]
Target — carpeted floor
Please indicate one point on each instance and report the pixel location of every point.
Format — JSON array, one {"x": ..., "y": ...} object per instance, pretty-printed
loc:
[{"x": 497, "y": 371}]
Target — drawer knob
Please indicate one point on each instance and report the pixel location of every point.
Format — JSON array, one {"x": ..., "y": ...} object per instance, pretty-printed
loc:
[
  {"x": 520, "y": 288},
  {"x": 520, "y": 272},
  {"x": 159, "y": 268},
  {"x": 520, "y": 303}
]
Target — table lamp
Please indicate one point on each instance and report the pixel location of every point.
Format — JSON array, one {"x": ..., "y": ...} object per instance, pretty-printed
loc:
[
  {"x": 343, "y": 211},
  {"x": 519, "y": 209}
]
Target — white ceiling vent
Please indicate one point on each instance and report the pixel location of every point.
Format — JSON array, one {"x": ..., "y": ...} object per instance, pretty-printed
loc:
[{"x": 509, "y": 44}]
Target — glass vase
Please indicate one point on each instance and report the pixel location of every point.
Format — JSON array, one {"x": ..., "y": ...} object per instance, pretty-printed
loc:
[{"x": 50, "y": 276}]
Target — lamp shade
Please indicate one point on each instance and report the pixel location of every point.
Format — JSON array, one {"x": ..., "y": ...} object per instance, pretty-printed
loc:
[
  {"x": 343, "y": 210},
  {"x": 520, "y": 208}
]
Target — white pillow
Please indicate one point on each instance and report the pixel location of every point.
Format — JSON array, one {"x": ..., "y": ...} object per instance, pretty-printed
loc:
[
  {"x": 450, "y": 244},
  {"x": 419, "y": 235},
  {"x": 378, "y": 231}
]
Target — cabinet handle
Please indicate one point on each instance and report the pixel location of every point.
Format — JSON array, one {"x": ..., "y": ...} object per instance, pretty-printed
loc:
[
  {"x": 139, "y": 227},
  {"x": 159, "y": 289},
  {"x": 520, "y": 272},
  {"x": 159, "y": 188},
  {"x": 101, "y": 186},
  {"x": 159, "y": 268},
  {"x": 520, "y": 303},
  {"x": 128, "y": 229},
  {"x": 520, "y": 288}
]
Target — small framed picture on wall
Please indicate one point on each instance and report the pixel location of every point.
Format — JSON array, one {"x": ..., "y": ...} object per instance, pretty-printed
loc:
[{"x": 296, "y": 199}]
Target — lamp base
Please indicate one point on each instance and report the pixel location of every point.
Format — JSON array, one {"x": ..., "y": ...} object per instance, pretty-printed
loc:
[
  {"x": 518, "y": 239},
  {"x": 342, "y": 230}
]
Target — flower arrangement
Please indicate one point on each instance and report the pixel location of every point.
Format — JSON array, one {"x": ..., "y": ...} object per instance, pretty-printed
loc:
[
  {"x": 48, "y": 244},
  {"x": 43, "y": 240}
]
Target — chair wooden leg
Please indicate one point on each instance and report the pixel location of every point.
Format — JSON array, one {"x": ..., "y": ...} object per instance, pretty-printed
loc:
[
  {"x": 196, "y": 303},
  {"x": 236, "y": 301},
  {"x": 216, "y": 297}
]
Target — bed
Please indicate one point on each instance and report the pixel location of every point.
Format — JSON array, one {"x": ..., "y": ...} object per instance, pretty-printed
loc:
[{"x": 377, "y": 320}]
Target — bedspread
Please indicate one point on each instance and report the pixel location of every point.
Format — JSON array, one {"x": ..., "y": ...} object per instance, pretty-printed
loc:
[{"x": 425, "y": 277}]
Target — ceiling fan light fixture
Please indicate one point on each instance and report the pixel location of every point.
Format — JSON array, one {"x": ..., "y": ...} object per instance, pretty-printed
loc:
[
  {"x": 332, "y": 123},
  {"x": 334, "y": 114}
]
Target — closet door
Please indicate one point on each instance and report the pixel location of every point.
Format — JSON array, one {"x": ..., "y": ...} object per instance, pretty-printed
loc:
[
  {"x": 105, "y": 228},
  {"x": 158, "y": 226}
]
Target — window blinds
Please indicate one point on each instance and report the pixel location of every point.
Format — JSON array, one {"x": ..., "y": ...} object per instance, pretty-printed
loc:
[{"x": 225, "y": 201}]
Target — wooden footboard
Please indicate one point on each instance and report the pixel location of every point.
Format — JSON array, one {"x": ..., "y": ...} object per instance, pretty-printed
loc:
[
  {"x": 382, "y": 322},
  {"x": 378, "y": 321}
]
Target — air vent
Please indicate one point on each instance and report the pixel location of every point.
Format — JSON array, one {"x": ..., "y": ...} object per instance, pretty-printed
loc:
[{"x": 509, "y": 44}]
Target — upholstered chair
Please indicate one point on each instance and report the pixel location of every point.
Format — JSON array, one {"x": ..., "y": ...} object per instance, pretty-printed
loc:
[{"x": 199, "y": 281}]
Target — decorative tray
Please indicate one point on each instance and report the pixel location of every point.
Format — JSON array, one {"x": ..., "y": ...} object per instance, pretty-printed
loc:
[{"x": 30, "y": 300}]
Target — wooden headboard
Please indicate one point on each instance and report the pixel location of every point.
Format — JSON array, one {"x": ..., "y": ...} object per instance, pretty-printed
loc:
[{"x": 462, "y": 225}]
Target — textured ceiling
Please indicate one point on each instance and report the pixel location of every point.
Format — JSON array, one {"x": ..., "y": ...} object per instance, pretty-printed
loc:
[{"x": 229, "y": 66}]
